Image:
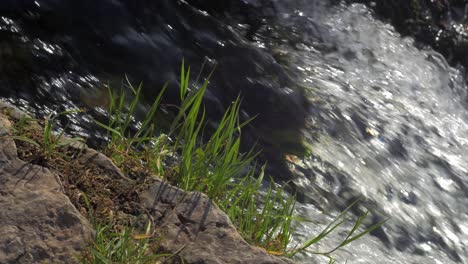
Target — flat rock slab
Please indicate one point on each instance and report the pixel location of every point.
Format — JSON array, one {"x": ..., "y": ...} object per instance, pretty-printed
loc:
[
  {"x": 198, "y": 230},
  {"x": 38, "y": 223}
]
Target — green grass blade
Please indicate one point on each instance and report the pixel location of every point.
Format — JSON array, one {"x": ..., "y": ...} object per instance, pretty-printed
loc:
[{"x": 27, "y": 140}]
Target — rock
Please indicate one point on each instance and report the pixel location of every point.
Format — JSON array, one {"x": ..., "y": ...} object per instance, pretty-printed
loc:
[
  {"x": 38, "y": 223},
  {"x": 197, "y": 229},
  {"x": 91, "y": 156},
  {"x": 12, "y": 111}
]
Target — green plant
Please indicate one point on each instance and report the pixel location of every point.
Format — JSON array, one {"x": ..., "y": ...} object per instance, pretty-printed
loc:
[
  {"x": 155, "y": 153},
  {"x": 111, "y": 246},
  {"x": 49, "y": 141},
  {"x": 210, "y": 161},
  {"x": 209, "y": 165},
  {"x": 19, "y": 130},
  {"x": 121, "y": 118},
  {"x": 337, "y": 222},
  {"x": 122, "y": 141},
  {"x": 264, "y": 221},
  {"x": 213, "y": 166},
  {"x": 125, "y": 246}
]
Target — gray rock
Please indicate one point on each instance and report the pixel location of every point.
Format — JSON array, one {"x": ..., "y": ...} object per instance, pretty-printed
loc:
[
  {"x": 90, "y": 156},
  {"x": 38, "y": 223},
  {"x": 12, "y": 111},
  {"x": 194, "y": 227}
]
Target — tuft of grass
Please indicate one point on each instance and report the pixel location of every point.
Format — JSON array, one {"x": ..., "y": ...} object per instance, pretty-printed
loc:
[
  {"x": 263, "y": 221},
  {"x": 120, "y": 245},
  {"x": 211, "y": 164},
  {"x": 352, "y": 234},
  {"x": 210, "y": 161},
  {"x": 125, "y": 144},
  {"x": 112, "y": 247},
  {"x": 122, "y": 118},
  {"x": 49, "y": 141},
  {"x": 125, "y": 246},
  {"x": 208, "y": 165}
]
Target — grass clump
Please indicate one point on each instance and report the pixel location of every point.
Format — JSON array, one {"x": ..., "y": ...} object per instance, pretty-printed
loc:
[
  {"x": 208, "y": 165},
  {"x": 48, "y": 142},
  {"x": 215, "y": 165},
  {"x": 119, "y": 247},
  {"x": 124, "y": 246},
  {"x": 265, "y": 221},
  {"x": 211, "y": 164},
  {"x": 125, "y": 144}
]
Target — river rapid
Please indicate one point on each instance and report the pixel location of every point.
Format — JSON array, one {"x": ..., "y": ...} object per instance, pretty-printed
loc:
[
  {"x": 392, "y": 128},
  {"x": 386, "y": 122}
]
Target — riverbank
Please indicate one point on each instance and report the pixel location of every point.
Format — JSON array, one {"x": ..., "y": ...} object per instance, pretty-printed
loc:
[{"x": 51, "y": 198}]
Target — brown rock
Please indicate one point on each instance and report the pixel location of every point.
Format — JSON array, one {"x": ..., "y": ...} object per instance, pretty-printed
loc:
[
  {"x": 38, "y": 224},
  {"x": 198, "y": 230}
]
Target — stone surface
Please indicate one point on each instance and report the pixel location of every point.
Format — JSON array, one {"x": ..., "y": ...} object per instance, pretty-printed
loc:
[
  {"x": 38, "y": 224},
  {"x": 92, "y": 156},
  {"x": 12, "y": 111},
  {"x": 198, "y": 230}
]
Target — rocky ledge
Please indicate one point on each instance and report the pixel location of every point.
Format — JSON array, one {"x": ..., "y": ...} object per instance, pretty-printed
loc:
[{"x": 40, "y": 221}]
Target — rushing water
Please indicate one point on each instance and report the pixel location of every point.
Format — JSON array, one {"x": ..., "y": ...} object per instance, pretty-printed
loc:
[
  {"x": 390, "y": 124},
  {"x": 387, "y": 122}
]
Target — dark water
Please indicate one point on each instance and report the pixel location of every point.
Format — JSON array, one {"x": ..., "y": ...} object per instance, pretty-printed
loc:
[
  {"x": 68, "y": 48},
  {"x": 386, "y": 121}
]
